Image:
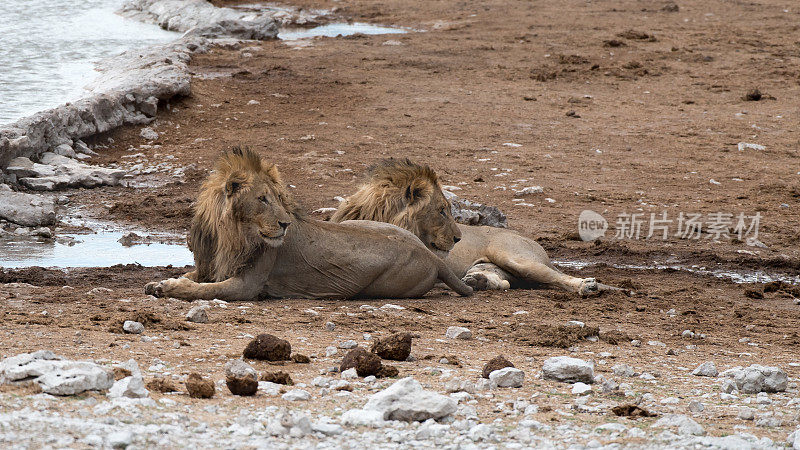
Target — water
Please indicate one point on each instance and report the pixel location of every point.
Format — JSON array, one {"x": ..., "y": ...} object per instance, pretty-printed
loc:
[
  {"x": 48, "y": 49},
  {"x": 336, "y": 29},
  {"x": 99, "y": 249},
  {"x": 740, "y": 276}
]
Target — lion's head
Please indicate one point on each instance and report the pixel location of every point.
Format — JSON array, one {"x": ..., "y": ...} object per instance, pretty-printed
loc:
[
  {"x": 408, "y": 195},
  {"x": 243, "y": 208}
]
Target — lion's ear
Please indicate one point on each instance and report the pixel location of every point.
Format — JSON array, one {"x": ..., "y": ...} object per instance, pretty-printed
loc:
[
  {"x": 234, "y": 184},
  {"x": 413, "y": 194}
]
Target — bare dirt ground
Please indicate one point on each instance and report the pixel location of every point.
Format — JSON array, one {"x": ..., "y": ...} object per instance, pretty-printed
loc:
[{"x": 617, "y": 106}]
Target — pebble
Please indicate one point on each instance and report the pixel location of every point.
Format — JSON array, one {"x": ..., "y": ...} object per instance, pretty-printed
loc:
[
  {"x": 507, "y": 377},
  {"x": 568, "y": 369},
  {"x": 496, "y": 363},
  {"x": 198, "y": 314},
  {"x": 696, "y": 407},
  {"x": 296, "y": 395},
  {"x": 746, "y": 413},
  {"x": 330, "y": 351},
  {"x": 757, "y": 378},
  {"x": 458, "y": 333},
  {"x": 406, "y": 400},
  {"x": 685, "y": 425},
  {"x": 348, "y": 344},
  {"x": 120, "y": 439},
  {"x": 330, "y": 326},
  {"x": 623, "y": 370},
  {"x": 580, "y": 388},
  {"x": 707, "y": 369},
  {"x": 132, "y": 327}
]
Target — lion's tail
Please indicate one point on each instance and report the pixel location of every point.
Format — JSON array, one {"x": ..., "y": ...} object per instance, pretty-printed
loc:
[{"x": 447, "y": 277}]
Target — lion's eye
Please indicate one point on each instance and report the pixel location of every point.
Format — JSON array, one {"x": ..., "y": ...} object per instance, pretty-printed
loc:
[
  {"x": 443, "y": 213},
  {"x": 263, "y": 199}
]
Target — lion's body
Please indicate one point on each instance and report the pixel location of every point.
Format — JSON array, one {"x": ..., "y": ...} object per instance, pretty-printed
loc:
[
  {"x": 240, "y": 253},
  {"x": 485, "y": 257}
]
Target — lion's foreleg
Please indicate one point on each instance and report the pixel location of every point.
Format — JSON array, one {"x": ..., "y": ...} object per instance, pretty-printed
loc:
[
  {"x": 236, "y": 288},
  {"x": 487, "y": 276}
]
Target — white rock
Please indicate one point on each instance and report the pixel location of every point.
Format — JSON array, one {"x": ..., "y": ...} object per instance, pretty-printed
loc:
[
  {"x": 707, "y": 369},
  {"x": 406, "y": 400},
  {"x": 130, "y": 387},
  {"x": 757, "y": 378},
  {"x": 484, "y": 384},
  {"x": 329, "y": 429},
  {"x": 458, "y": 333},
  {"x": 696, "y": 407},
  {"x": 481, "y": 432},
  {"x": 746, "y": 145},
  {"x": 330, "y": 326},
  {"x": 239, "y": 369},
  {"x": 149, "y": 134},
  {"x": 567, "y": 369},
  {"x": 120, "y": 439},
  {"x": 507, "y": 377},
  {"x": 685, "y": 425},
  {"x": 349, "y": 374},
  {"x": 430, "y": 429},
  {"x": 55, "y": 375},
  {"x": 362, "y": 417},
  {"x": 581, "y": 388},
  {"x": 623, "y": 370},
  {"x": 198, "y": 314},
  {"x": 270, "y": 388},
  {"x": 296, "y": 395},
  {"x": 330, "y": 351},
  {"x": 26, "y": 209},
  {"x": 133, "y": 327},
  {"x": 794, "y": 439},
  {"x": 348, "y": 344}
]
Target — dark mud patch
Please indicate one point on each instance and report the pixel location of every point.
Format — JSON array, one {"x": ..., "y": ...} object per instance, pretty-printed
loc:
[{"x": 119, "y": 276}]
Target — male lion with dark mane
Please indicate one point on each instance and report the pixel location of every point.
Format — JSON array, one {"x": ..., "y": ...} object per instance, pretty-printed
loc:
[
  {"x": 250, "y": 240},
  {"x": 409, "y": 195}
]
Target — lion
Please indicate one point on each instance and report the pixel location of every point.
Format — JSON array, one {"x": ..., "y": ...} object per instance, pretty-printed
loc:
[
  {"x": 251, "y": 241},
  {"x": 409, "y": 195}
]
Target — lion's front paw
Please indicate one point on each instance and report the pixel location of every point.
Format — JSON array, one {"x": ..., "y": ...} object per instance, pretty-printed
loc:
[
  {"x": 152, "y": 288},
  {"x": 477, "y": 281},
  {"x": 588, "y": 287}
]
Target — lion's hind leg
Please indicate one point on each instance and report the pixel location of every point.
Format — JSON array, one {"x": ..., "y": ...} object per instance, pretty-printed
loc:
[{"x": 487, "y": 276}]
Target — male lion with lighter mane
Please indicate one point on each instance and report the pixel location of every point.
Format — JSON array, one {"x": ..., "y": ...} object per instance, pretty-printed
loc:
[
  {"x": 409, "y": 195},
  {"x": 250, "y": 240}
]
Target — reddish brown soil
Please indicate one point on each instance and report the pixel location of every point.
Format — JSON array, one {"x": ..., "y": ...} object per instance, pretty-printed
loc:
[{"x": 608, "y": 119}]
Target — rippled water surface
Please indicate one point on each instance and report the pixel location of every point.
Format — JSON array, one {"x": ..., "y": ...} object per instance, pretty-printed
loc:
[{"x": 48, "y": 49}]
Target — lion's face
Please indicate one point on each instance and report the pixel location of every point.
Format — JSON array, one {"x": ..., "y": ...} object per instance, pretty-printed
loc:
[
  {"x": 258, "y": 210},
  {"x": 435, "y": 226}
]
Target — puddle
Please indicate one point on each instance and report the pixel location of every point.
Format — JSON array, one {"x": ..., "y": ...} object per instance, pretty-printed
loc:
[
  {"x": 336, "y": 29},
  {"x": 744, "y": 276},
  {"x": 100, "y": 249}
]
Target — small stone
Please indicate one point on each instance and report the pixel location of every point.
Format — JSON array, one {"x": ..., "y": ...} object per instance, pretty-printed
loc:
[
  {"x": 458, "y": 333},
  {"x": 361, "y": 417},
  {"x": 198, "y": 387},
  {"x": 696, "y": 407},
  {"x": 266, "y": 347},
  {"x": 567, "y": 369},
  {"x": 148, "y": 133},
  {"x": 132, "y": 327},
  {"x": 198, "y": 314},
  {"x": 507, "y": 377},
  {"x": 346, "y": 345},
  {"x": 496, "y": 363},
  {"x": 707, "y": 369},
  {"x": 349, "y": 374},
  {"x": 746, "y": 413},
  {"x": 757, "y": 378},
  {"x": 406, "y": 400},
  {"x": 396, "y": 347},
  {"x": 688, "y": 334},
  {"x": 120, "y": 439},
  {"x": 581, "y": 388},
  {"x": 330, "y": 326},
  {"x": 685, "y": 425},
  {"x": 623, "y": 370},
  {"x": 279, "y": 377},
  {"x": 300, "y": 358},
  {"x": 130, "y": 387},
  {"x": 296, "y": 395},
  {"x": 365, "y": 363},
  {"x": 729, "y": 386},
  {"x": 330, "y": 351}
]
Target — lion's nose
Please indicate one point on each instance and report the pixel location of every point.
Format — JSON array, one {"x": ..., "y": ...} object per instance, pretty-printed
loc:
[
  {"x": 284, "y": 225},
  {"x": 456, "y": 239}
]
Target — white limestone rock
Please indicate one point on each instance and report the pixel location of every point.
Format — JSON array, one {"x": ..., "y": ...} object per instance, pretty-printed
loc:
[
  {"x": 757, "y": 378},
  {"x": 567, "y": 369},
  {"x": 707, "y": 369},
  {"x": 25, "y": 209},
  {"x": 406, "y": 400},
  {"x": 458, "y": 333},
  {"x": 507, "y": 377}
]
